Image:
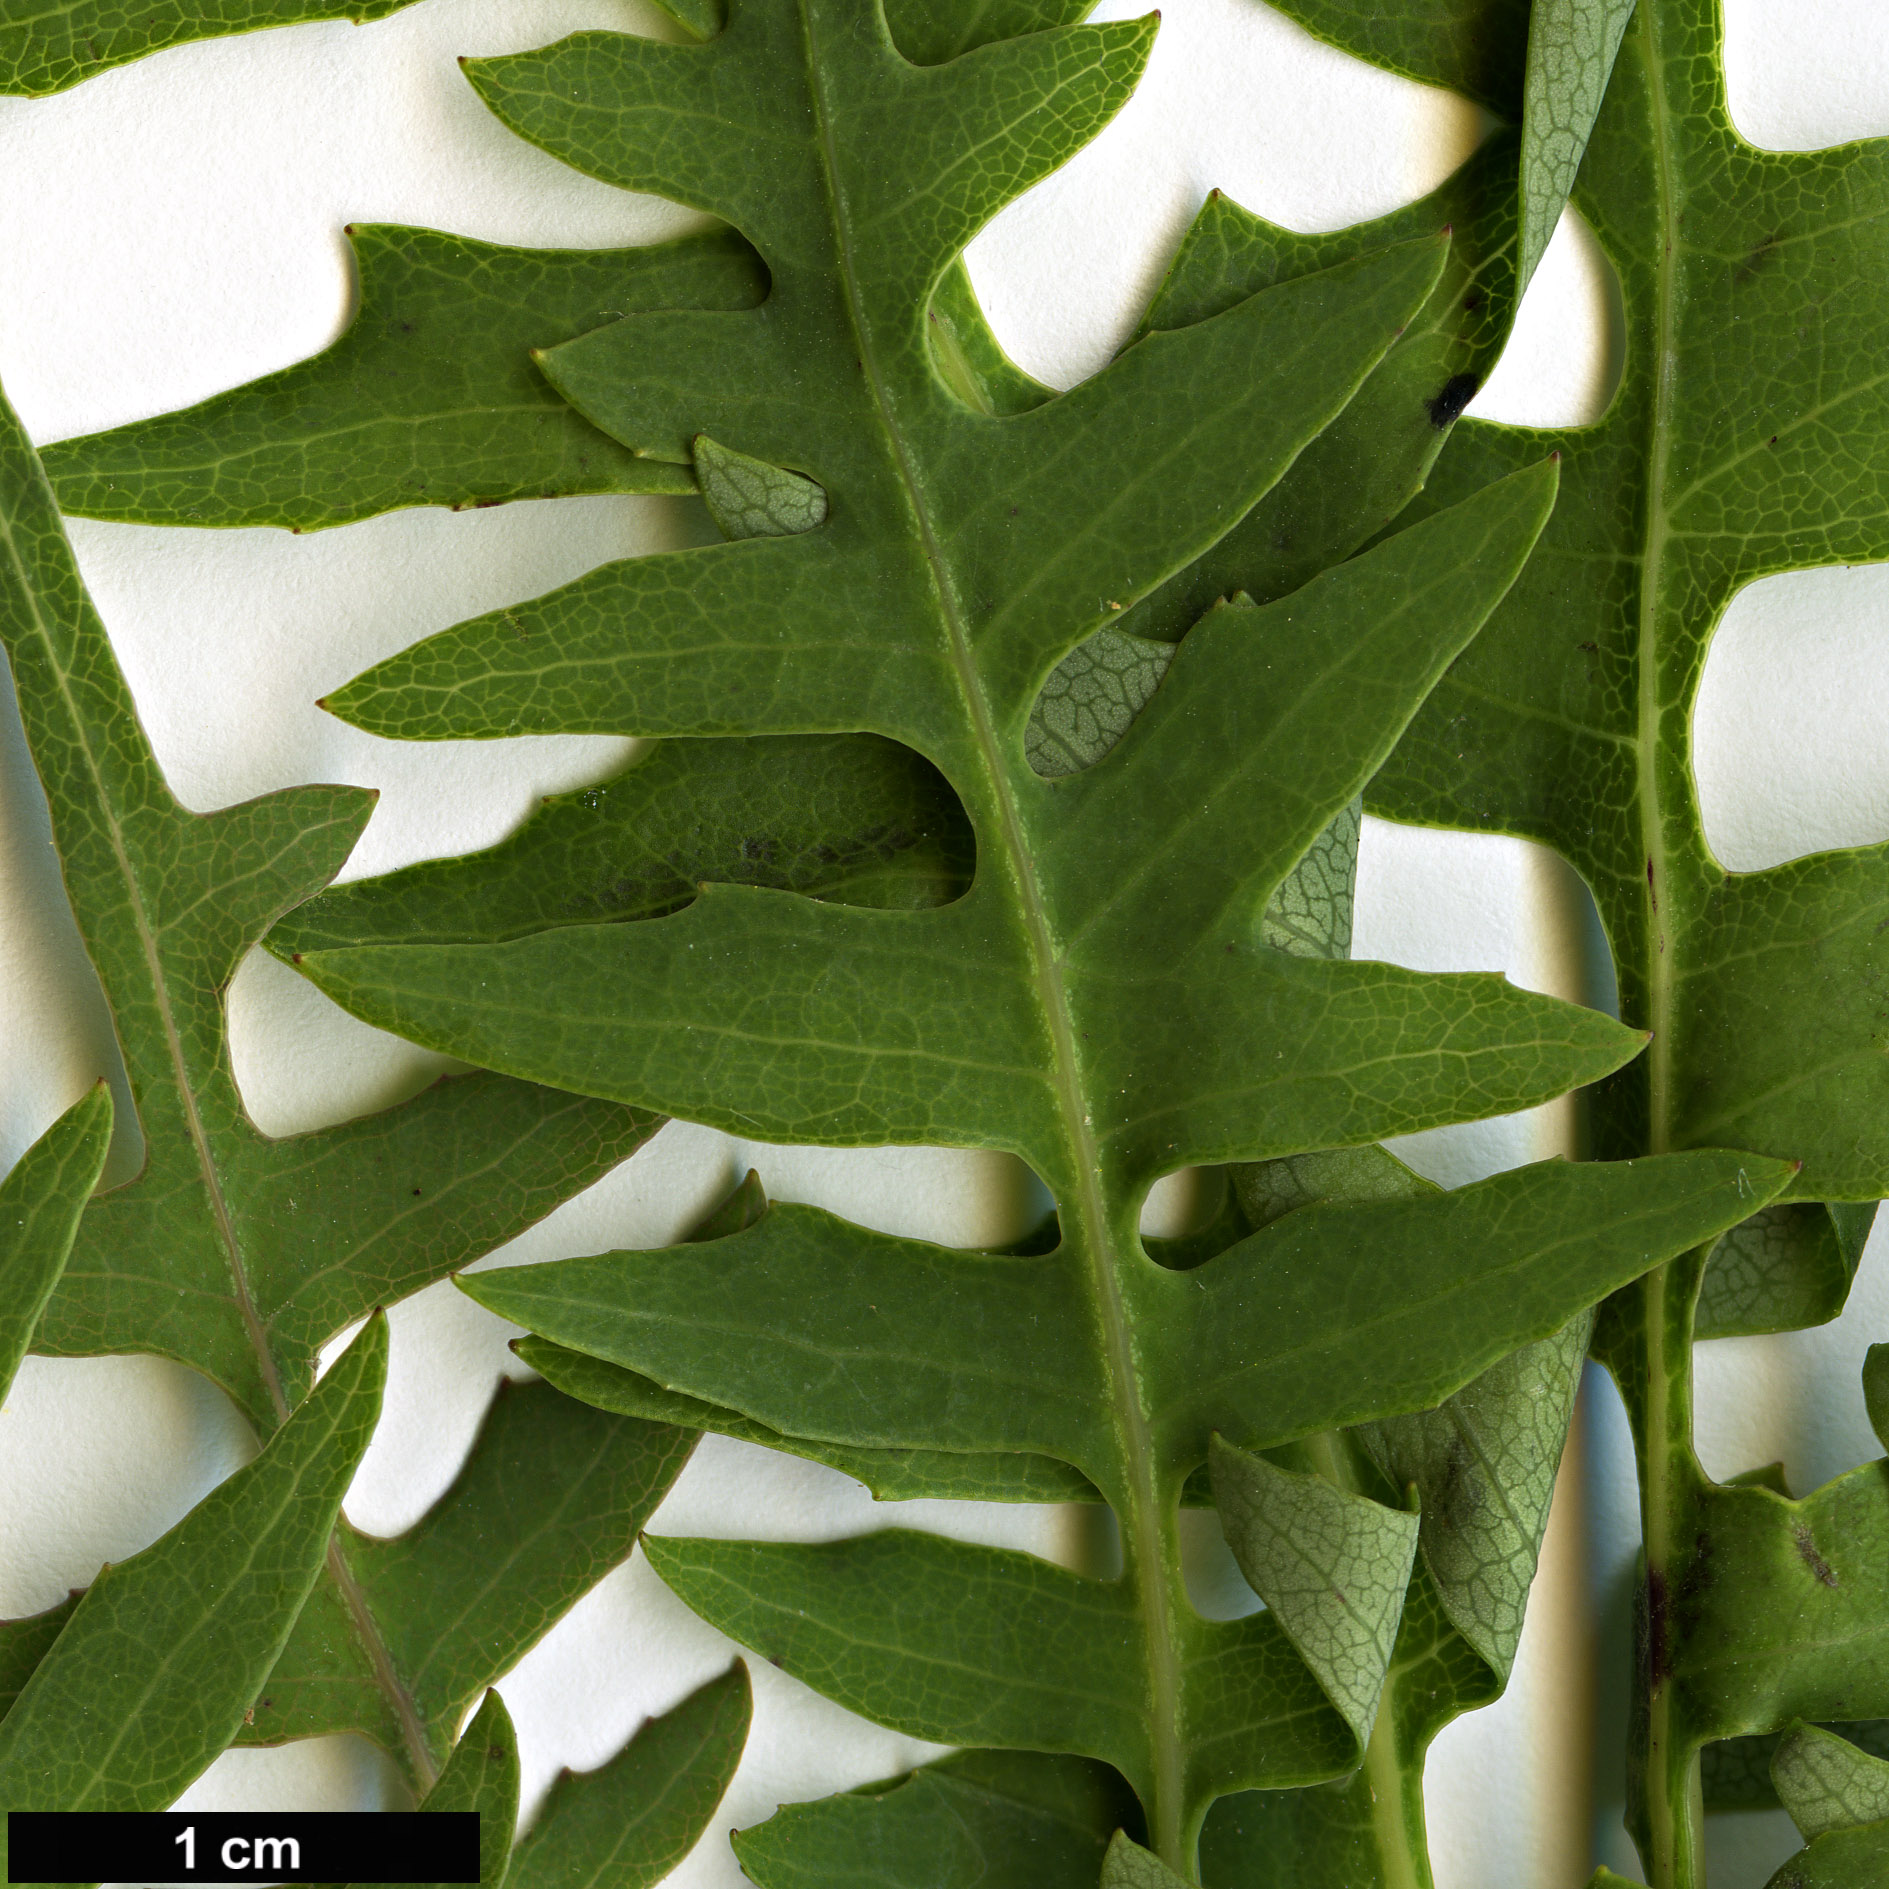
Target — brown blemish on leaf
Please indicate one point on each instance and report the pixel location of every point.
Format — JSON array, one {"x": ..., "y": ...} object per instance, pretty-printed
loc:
[{"x": 1807, "y": 1548}]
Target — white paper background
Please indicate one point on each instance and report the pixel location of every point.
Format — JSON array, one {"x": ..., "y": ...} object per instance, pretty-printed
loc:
[{"x": 173, "y": 228}]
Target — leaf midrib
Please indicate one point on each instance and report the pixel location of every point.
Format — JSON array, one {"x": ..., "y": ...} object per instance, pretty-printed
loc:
[
  {"x": 1652, "y": 574},
  {"x": 1143, "y": 1534},
  {"x": 154, "y": 969},
  {"x": 1674, "y": 1828},
  {"x": 364, "y": 1623}
]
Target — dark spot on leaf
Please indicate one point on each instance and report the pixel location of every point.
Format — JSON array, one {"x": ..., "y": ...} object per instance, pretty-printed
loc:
[
  {"x": 1447, "y": 406},
  {"x": 1472, "y": 302},
  {"x": 416, "y": 1193},
  {"x": 1656, "y": 1646},
  {"x": 1759, "y": 257},
  {"x": 1807, "y": 1549}
]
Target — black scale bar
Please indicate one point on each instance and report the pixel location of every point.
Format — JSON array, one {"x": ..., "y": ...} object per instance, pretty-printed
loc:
[{"x": 177, "y": 1846}]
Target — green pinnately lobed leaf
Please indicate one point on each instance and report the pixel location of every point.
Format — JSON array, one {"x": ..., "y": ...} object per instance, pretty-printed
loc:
[
  {"x": 46, "y": 49},
  {"x": 240, "y": 1255},
  {"x": 1101, "y": 999},
  {"x": 825, "y": 1330},
  {"x": 1501, "y": 206},
  {"x": 1707, "y": 467},
  {"x": 959, "y": 592},
  {"x": 151, "y": 1673},
  {"x": 1749, "y": 436},
  {"x": 891, "y": 1474},
  {"x": 232, "y": 1252},
  {"x": 40, "y": 1204}
]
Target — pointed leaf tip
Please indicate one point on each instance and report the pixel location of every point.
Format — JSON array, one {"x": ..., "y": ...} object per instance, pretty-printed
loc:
[{"x": 41, "y": 1202}]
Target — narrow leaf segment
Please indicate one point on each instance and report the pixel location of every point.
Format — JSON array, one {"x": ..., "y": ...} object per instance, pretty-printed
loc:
[{"x": 40, "y": 1204}]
